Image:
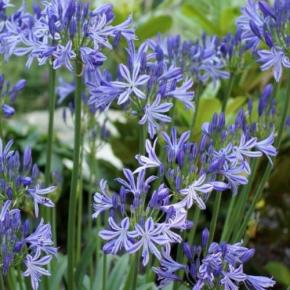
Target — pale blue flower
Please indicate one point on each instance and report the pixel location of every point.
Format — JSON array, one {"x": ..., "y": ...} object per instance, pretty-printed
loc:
[{"x": 118, "y": 237}]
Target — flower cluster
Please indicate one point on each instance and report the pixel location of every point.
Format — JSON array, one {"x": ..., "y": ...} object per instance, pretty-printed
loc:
[
  {"x": 221, "y": 265},
  {"x": 265, "y": 26},
  {"x": 145, "y": 227},
  {"x": 8, "y": 95},
  {"x": 204, "y": 60},
  {"x": 148, "y": 84},
  {"x": 140, "y": 218},
  {"x": 219, "y": 161},
  {"x": 19, "y": 183},
  {"x": 19, "y": 178},
  {"x": 21, "y": 246},
  {"x": 63, "y": 31}
]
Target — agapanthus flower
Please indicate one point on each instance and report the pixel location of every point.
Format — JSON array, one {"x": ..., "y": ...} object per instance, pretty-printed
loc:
[
  {"x": 61, "y": 31},
  {"x": 20, "y": 178},
  {"x": 274, "y": 58},
  {"x": 155, "y": 112},
  {"x": 38, "y": 196},
  {"x": 148, "y": 236},
  {"x": 200, "y": 60},
  {"x": 63, "y": 56},
  {"x": 152, "y": 160},
  {"x": 102, "y": 200},
  {"x": 264, "y": 23},
  {"x": 222, "y": 264},
  {"x": 131, "y": 226},
  {"x": 18, "y": 245},
  {"x": 146, "y": 86},
  {"x": 8, "y": 96},
  {"x": 118, "y": 237},
  {"x": 35, "y": 268}
]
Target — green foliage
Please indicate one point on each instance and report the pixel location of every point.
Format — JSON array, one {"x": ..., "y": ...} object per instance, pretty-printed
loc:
[
  {"x": 280, "y": 271},
  {"x": 153, "y": 26}
]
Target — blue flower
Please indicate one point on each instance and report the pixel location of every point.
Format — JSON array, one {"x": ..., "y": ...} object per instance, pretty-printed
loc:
[
  {"x": 91, "y": 57},
  {"x": 119, "y": 236},
  {"x": 260, "y": 282},
  {"x": 155, "y": 112},
  {"x": 233, "y": 277},
  {"x": 149, "y": 236},
  {"x": 183, "y": 94},
  {"x": 63, "y": 56},
  {"x": 102, "y": 200},
  {"x": 8, "y": 111},
  {"x": 4, "y": 210},
  {"x": 266, "y": 147},
  {"x": 275, "y": 58},
  {"x": 132, "y": 80},
  {"x": 35, "y": 268},
  {"x": 151, "y": 161},
  {"x": 139, "y": 187},
  {"x": 38, "y": 196},
  {"x": 250, "y": 14},
  {"x": 173, "y": 145},
  {"x": 41, "y": 239},
  {"x": 235, "y": 176}
]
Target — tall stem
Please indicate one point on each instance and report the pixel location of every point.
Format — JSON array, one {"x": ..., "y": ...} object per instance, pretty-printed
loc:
[
  {"x": 52, "y": 102},
  {"x": 90, "y": 204},
  {"x": 228, "y": 92},
  {"x": 136, "y": 262},
  {"x": 104, "y": 279},
  {"x": 71, "y": 236},
  {"x": 213, "y": 223},
  {"x": 197, "y": 98},
  {"x": 267, "y": 172},
  {"x": 1, "y": 127},
  {"x": 2, "y": 286}
]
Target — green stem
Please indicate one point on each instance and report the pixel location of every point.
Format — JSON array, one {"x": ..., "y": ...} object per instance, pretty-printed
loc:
[
  {"x": 1, "y": 127},
  {"x": 213, "y": 223},
  {"x": 227, "y": 223},
  {"x": 47, "y": 214},
  {"x": 79, "y": 223},
  {"x": 19, "y": 278},
  {"x": 197, "y": 98},
  {"x": 267, "y": 172},
  {"x": 80, "y": 203},
  {"x": 135, "y": 266},
  {"x": 52, "y": 102},
  {"x": 238, "y": 204},
  {"x": 74, "y": 180},
  {"x": 243, "y": 198},
  {"x": 194, "y": 227},
  {"x": 2, "y": 286},
  {"x": 104, "y": 279},
  {"x": 228, "y": 92},
  {"x": 90, "y": 204}
]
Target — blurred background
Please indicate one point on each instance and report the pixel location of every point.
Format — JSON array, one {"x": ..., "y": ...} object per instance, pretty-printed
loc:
[{"x": 269, "y": 231}]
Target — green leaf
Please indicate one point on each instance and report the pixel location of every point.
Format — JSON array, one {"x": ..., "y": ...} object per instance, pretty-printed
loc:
[
  {"x": 85, "y": 260},
  {"x": 206, "y": 109},
  {"x": 60, "y": 265},
  {"x": 280, "y": 272},
  {"x": 227, "y": 19},
  {"x": 153, "y": 26},
  {"x": 119, "y": 273},
  {"x": 148, "y": 286},
  {"x": 233, "y": 105},
  {"x": 195, "y": 15}
]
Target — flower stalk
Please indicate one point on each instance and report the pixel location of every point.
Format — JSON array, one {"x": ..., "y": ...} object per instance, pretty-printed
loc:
[{"x": 71, "y": 236}]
